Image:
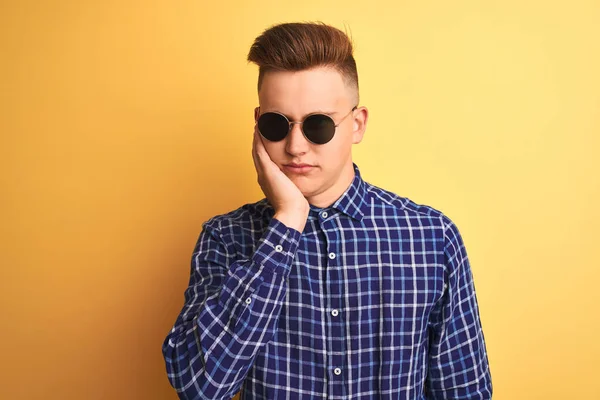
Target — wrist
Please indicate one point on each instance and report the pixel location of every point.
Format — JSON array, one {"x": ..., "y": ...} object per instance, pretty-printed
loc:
[{"x": 295, "y": 220}]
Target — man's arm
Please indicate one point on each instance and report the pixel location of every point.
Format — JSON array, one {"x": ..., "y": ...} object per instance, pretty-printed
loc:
[
  {"x": 230, "y": 310},
  {"x": 458, "y": 362}
]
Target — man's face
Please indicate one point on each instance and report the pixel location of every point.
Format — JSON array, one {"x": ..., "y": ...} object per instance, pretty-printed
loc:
[{"x": 297, "y": 94}]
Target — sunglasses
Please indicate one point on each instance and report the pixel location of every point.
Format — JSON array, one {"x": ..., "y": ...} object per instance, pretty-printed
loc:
[{"x": 317, "y": 128}]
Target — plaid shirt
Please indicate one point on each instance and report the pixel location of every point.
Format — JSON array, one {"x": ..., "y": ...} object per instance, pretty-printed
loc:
[{"x": 373, "y": 300}]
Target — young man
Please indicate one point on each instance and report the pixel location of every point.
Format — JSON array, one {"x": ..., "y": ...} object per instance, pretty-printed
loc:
[{"x": 329, "y": 287}]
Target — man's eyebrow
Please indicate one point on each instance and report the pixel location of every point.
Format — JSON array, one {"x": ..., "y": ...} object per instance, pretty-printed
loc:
[
  {"x": 312, "y": 112},
  {"x": 324, "y": 112}
]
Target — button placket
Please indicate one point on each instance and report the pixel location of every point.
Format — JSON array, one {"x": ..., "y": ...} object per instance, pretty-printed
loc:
[{"x": 337, "y": 324}]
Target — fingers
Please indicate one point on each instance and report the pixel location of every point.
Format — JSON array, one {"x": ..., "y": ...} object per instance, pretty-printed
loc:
[
  {"x": 255, "y": 152},
  {"x": 265, "y": 164},
  {"x": 260, "y": 147},
  {"x": 260, "y": 150}
]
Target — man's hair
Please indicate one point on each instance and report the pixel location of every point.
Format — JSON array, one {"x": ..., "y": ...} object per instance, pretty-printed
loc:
[{"x": 298, "y": 46}]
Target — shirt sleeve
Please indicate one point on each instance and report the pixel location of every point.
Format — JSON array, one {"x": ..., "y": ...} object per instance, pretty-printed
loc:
[
  {"x": 458, "y": 362},
  {"x": 230, "y": 310}
]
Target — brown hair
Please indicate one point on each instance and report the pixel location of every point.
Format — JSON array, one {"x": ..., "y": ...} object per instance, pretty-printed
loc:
[{"x": 298, "y": 46}]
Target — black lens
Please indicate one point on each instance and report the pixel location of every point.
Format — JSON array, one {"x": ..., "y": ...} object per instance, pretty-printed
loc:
[
  {"x": 273, "y": 126},
  {"x": 319, "y": 128}
]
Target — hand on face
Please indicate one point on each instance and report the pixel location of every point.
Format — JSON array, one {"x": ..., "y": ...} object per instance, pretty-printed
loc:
[{"x": 282, "y": 193}]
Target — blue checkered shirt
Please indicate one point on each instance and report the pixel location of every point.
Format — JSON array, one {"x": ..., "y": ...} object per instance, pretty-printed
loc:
[{"x": 373, "y": 300}]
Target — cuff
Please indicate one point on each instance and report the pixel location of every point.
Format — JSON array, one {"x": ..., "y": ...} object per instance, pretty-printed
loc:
[{"x": 277, "y": 247}]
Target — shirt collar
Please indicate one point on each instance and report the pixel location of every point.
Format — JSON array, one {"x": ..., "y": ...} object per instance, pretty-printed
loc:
[{"x": 353, "y": 202}]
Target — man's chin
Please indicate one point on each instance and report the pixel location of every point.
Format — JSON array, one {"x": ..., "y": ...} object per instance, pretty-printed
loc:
[{"x": 305, "y": 185}]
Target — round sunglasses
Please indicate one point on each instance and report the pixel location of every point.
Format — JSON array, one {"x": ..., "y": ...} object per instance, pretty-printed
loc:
[{"x": 317, "y": 128}]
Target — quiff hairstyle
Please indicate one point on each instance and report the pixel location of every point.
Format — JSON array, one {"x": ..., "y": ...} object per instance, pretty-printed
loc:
[{"x": 298, "y": 46}]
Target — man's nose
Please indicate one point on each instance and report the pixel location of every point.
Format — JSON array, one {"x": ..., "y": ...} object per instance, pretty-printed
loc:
[{"x": 296, "y": 142}]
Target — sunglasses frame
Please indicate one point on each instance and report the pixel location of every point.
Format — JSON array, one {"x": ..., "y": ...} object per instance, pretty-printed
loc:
[{"x": 290, "y": 123}]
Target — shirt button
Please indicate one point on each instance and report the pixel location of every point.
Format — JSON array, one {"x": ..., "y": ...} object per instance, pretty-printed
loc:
[
  {"x": 332, "y": 255},
  {"x": 278, "y": 248},
  {"x": 334, "y": 313},
  {"x": 337, "y": 371},
  {"x": 248, "y": 300},
  {"x": 324, "y": 214}
]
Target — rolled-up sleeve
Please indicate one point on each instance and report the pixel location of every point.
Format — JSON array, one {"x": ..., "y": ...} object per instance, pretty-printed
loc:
[{"x": 458, "y": 365}]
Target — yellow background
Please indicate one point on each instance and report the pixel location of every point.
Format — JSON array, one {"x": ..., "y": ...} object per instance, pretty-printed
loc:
[{"x": 126, "y": 124}]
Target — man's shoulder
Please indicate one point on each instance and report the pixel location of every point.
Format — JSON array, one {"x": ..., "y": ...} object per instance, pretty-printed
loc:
[
  {"x": 402, "y": 205},
  {"x": 248, "y": 216}
]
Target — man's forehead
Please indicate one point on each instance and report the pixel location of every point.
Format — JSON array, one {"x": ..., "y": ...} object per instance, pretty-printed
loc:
[
  {"x": 324, "y": 83},
  {"x": 298, "y": 107},
  {"x": 316, "y": 73},
  {"x": 297, "y": 94}
]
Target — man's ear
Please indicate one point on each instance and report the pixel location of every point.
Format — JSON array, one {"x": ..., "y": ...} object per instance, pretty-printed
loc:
[
  {"x": 360, "y": 124},
  {"x": 256, "y": 114}
]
